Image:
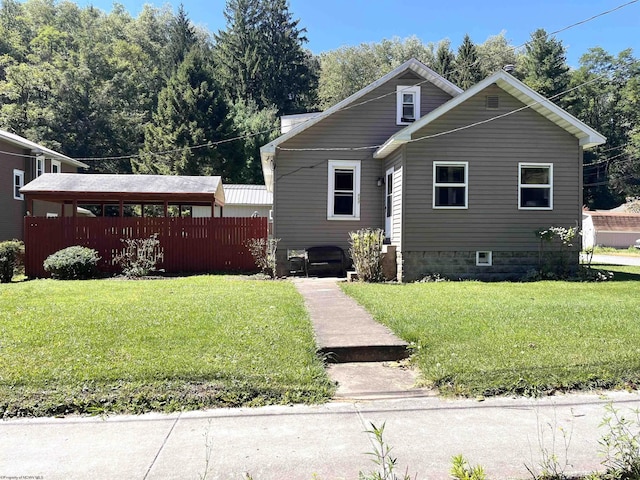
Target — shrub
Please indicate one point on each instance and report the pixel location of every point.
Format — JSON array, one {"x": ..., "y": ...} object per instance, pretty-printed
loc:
[
  {"x": 73, "y": 263},
  {"x": 140, "y": 256},
  {"x": 263, "y": 251},
  {"x": 11, "y": 253},
  {"x": 366, "y": 253}
]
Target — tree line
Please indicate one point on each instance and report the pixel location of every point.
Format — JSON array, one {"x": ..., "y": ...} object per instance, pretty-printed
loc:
[{"x": 155, "y": 94}]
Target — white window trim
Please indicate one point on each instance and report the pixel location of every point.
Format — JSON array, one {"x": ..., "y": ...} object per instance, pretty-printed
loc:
[
  {"x": 20, "y": 174},
  {"x": 400, "y": 89},
  {"x": 465, "y": 185},
  {"x": 343, "y": 164},
  {"x": 56, "y": 163},
  {"x": 489, "y": 263},
  {"x": 40, "y": 165},
  {"x": 528, "y": 185}
]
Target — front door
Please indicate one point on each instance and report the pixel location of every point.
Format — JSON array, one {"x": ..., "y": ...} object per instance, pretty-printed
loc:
[{"x": 388, "y": 203}]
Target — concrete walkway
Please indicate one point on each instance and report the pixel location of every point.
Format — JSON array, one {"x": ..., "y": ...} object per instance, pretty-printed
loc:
[
  {"x": 504, "y": 435},
  {"x": 297, "y": 442}
]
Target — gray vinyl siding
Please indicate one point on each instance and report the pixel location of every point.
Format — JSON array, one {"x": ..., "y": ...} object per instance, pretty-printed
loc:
[
  {"x": 300, "y": 190},
  {"x": 493, "y": 150},
  {"x": 11, "y": 210},
  {"x": 395, "y": 161}
]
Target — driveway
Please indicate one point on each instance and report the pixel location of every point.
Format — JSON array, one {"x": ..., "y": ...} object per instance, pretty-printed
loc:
[{"x": 613, "y": 260}]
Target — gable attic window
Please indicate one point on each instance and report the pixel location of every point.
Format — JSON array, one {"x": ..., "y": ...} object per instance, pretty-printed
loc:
[
  {"x": 343, "y": 196},
  {"x": 535, "y": 186},
  {"x": 450, "y": 182},
  {"x": 18, "y": 183},
  {"x": 492, "y": 102},
  {"x": 407, "y": 104}
]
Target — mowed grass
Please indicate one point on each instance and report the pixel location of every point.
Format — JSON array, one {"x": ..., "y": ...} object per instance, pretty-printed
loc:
[
  {"x": 132, "y": 346},
  {"x": 476, "y": 338}
]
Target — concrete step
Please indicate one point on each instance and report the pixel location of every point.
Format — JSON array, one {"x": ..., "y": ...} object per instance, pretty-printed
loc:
[{"x": 364, "y": 353}]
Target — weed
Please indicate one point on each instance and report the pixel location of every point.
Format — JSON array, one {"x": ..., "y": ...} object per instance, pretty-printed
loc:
[
  {"x": 552, "y": 465},
  {"x": 461, "y": 470},
  {"x": 381, "y": 456},
  {"x": 621, "y": 444}
]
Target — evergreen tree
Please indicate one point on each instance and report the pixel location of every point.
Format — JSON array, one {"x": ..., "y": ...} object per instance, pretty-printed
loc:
[
  {"x": 260, "y": 56},
  {"x": 182, "y": 38},
  {"x": 444, "y": 61},
  {"x": 544, "y": 67},
  {"x": 191, "y": 113},
  {"x": 467, "y": 70}
]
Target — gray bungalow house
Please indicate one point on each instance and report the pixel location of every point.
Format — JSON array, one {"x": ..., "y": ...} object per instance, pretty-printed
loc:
[{"x": 459, "y": 181}]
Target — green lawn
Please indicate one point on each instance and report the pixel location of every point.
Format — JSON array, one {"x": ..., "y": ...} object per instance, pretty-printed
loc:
[
  {"x": 631, "y": 251},
  {"x": 476, "y": 338},
  {"x": 132, "y": 346}
]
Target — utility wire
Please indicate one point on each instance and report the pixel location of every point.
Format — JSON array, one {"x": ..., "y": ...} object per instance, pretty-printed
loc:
[{"x": 346, "y": 107}]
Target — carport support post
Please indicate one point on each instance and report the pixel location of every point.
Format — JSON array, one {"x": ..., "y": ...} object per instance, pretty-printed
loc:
[
  {"x": 166, "y": 208},
  {"x": 74, "y": 207},
  {"x": 121, "y": 204}
]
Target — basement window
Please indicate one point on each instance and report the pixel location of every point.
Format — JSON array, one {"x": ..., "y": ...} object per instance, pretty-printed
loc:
[{"x": 484, "y": 258}]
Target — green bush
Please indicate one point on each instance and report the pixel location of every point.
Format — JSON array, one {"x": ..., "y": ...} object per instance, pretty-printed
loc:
[
  {"x": 73, "y": 263},
  {"x": 11, "y": 254},
  {"x": 366, "y": 253}
]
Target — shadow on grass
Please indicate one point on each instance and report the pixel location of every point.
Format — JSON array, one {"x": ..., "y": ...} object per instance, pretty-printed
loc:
[{"x": 621, "y": 273}]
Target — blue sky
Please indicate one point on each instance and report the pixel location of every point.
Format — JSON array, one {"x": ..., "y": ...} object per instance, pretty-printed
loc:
[{"x": 334, "y": 23}]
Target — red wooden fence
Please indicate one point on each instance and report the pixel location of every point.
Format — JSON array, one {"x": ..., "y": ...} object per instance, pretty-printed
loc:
[{"x": 189, "y": 244}]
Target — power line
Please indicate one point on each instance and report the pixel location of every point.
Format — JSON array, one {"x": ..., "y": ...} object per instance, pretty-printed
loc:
[{"x": 346, "y": 107}]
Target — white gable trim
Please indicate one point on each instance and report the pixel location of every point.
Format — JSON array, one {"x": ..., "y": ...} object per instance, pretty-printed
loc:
[
  {"x": 268, "y": 151},
  {"x": 587, "y": 136}
]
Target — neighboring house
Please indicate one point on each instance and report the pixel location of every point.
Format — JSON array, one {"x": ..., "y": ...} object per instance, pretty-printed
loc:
[
  {"x": 247, "y": 201},
  {"x": 459, "y": 181},
  {"x": 610, "y": 229},
  {"x": 21, "y": 161}
]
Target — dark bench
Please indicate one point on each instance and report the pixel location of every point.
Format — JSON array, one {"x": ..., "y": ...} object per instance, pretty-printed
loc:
[{"x": 326, "y": 260}]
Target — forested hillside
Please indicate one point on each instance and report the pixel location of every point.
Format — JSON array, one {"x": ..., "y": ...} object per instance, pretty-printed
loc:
[{"x": 154, "y": 94}]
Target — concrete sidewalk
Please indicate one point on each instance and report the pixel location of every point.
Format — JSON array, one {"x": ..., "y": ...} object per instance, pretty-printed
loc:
[{"x": 297, "y": 442}]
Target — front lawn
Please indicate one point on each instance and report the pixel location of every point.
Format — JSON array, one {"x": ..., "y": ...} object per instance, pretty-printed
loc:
[
  {"x": 476, "y": 338},
  {"x": 131, "y": 346}
]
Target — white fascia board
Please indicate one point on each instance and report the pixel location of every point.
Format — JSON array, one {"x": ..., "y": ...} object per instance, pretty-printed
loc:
[
  {"x": 413, "y": 64},
  {"x": 267, "y": 159},
  {"x": 34, "y": 147},
  {"x": 587, "y": 136}
]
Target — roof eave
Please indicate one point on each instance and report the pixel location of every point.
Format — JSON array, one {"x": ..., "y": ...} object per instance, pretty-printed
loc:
[{"x": 267, "y": 159}]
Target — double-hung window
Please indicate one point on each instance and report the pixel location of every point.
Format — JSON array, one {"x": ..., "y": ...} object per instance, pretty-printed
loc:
[
  {"x": 450, "y": 184},
  {"x": 39, "y": 165},
  {"x": 18, "y": 183},
  {"x": 535, "y": 186},
  {"x": 343, "y": 190},
  {"x": 408, "y": 104}
]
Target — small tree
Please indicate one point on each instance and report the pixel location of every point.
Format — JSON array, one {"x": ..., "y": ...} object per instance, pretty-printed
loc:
[
  {"x": 366, "y": 253},
  {"x": 140, "y": 256},
  {"x": 566, "y": 237},
  {"x": 263, "y": 251}
]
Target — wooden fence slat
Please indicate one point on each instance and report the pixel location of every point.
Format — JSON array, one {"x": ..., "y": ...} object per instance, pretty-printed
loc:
[{"x": 189, "y": 244}]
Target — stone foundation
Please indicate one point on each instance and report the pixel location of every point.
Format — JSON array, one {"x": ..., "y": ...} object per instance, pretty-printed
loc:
[{"x": 462, "y": 265}]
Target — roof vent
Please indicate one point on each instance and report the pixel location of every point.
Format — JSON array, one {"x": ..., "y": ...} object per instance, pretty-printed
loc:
[
  {"x": 509, "y": 68},
  {"x": 493, "y": 102}
]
